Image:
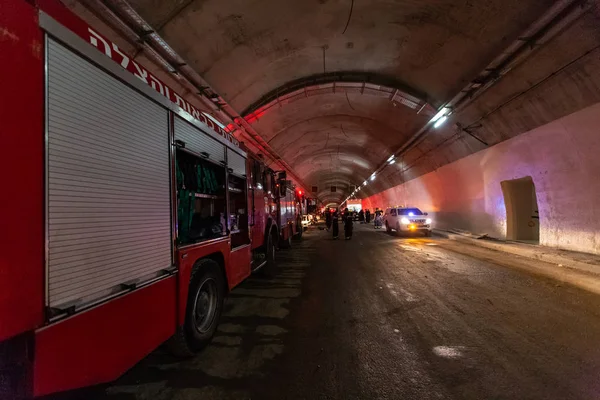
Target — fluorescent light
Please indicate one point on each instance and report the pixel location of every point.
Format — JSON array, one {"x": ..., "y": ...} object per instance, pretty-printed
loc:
[
  {"x": 373, "y": 177},
  {"x": 392, "y": 161},
  {"x": 391, "y": 158},
  {"x": 440, "y": 121},
  {"x": 440, "y": 114}
]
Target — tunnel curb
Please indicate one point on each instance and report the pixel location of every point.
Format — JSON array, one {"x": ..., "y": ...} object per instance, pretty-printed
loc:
[{"x": 540, "y": 253}]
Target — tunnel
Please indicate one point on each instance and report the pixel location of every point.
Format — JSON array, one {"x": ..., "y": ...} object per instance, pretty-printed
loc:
[
  {"x": 303, "y": 199},
  {"x": 344, "y": 93}
]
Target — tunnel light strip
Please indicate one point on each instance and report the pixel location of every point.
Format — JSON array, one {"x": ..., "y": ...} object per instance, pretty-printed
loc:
[
  {"x": 444, "y": 111},
  {"x": 440, "y": 121}
]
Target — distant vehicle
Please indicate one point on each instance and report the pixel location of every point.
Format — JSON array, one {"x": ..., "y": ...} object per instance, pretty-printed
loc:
[
  {"x": 407, "y": 220},
  {"x": 306, "y": 220},
  {"x": 354, "y": 205}
]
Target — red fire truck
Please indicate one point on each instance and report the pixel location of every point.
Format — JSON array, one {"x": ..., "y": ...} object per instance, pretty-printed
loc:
[
  {"x": 290, "y": 211},
  {"x": 127, "y": 215}
]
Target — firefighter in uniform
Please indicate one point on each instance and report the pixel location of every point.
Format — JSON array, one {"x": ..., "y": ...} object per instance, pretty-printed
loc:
[
  {"x": 347, "y": 224},
  {"x": 336, "y": 228},
  {"x": 328, "y": 218}
]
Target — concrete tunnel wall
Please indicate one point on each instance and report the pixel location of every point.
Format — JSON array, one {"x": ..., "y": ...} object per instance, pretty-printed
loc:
[{"x": 562, "y": 157}]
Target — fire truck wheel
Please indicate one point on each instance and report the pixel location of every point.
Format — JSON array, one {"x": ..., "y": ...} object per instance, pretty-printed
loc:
[
  {"x": 300, "y": 229},
  {"x": 286, "y": 243},
  {"x": 270, "y": 269},
  {"x": 204, "y": 306}
]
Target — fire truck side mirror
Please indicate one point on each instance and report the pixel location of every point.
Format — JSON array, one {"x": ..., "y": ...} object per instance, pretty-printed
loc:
[
  {"x": 282, "y": 187},
  {"x": 282, "y": 183}
]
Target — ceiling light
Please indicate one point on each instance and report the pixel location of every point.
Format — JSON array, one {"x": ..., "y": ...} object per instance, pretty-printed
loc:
[
  {"x": 391, "y": 158},
  {"x": 440, "y": 121},
  {"x": 365, "y": 183},
  {"x": 392, "y": 161},
  {"x": 373, "y": 177},
  {"x": 440, "y": 114}
]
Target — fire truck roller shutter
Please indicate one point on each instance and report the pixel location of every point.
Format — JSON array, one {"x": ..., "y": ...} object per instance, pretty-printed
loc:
[
  {"x": 198, "y": 142},
  {"x": 108, "y": 193},
  {"x": 237, "y": 163}
]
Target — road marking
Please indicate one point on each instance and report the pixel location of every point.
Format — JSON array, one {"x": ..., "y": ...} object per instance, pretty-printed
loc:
[
  {"x": 408, "y": 296},
  {"x": 410, "y": 248},
  {"x": 448, "y": 351}
]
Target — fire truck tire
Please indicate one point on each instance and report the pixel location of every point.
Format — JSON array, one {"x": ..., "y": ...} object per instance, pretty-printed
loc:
[
  {"x": 300, "y": 229},
  {"x": 286, "y": 243},
  {"x": 203, "y": 310},
  {"x": 270, "y": 269}
]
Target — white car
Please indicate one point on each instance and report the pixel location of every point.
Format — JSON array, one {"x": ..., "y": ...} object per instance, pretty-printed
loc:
[
  {"x": 407, "y": 219},
  {"x": 306, "y": 221}
]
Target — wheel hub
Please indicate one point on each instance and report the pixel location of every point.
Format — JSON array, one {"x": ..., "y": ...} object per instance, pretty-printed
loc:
[{"x": 205, "y": 305}]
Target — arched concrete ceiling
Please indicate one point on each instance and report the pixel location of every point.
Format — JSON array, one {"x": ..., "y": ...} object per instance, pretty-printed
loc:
[{"x": 254, "y": 53}]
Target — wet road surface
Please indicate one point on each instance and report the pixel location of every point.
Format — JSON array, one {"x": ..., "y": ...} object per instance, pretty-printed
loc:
[{"x": 385, "y": 317}]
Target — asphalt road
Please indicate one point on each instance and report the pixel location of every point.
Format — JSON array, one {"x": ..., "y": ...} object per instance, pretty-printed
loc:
[{"x": 383, "y": 317}]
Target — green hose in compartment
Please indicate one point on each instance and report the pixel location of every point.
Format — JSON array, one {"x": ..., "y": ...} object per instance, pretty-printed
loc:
[{"x": 185, "y": 211}]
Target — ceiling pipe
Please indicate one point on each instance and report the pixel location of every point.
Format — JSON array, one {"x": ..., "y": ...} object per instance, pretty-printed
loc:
[
  {"x": 557, "y": 18},
  {"x": 119, "y": 15}
]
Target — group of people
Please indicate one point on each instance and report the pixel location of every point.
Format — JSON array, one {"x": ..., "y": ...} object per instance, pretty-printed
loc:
[
  {"x": 332, "y": 222},
  {"x": 364, "y": 216},
  {"x": 332, "y": 218}
]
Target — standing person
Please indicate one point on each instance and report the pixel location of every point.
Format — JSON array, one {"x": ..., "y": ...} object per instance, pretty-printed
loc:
[
  {"x": 361, "y": 216},
  {"x": 368, "y": 216},
  {"x": 336, "y": 228},
  {"x": 378, "y": 219},
  {"x": 348, "y": 225},
  {"x": 328, "y": 219}
]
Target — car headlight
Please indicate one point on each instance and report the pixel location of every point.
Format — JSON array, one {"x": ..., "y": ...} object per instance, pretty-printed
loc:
[
  {"x": 404, "y": 221},
  {"x": 428, "y": 221}
]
